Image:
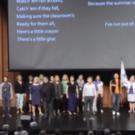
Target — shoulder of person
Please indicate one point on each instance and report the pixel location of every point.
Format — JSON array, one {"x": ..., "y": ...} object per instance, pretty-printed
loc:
[
  {"x": 86, "y": 84},
  {"x": 102, "y": 83},
  {"x": 1, "y": 84}
]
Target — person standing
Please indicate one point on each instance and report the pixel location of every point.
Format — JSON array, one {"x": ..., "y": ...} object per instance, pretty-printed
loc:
[
  {"x": 20, "y": 93},
  {"x": 99, "y": 87},
  {"x": 88, "y": 96},
  {"x": 52, "y": 79},
  {"x": 28, "y": 92},
  {"x": 6, "y": 94},
  {"x": 47, "y": 95},
  {"x": 64, "y": 84},
  {"x": 72, "y": 96},
  {"x": 116, "y": 94},
  {"x": 36, "y": 96},
  {"x": 80, "y": 84},
  {"x": 130, "y": 85},
  {"x": 41, "y": 79},
  {"x": 58, "y": 95}
]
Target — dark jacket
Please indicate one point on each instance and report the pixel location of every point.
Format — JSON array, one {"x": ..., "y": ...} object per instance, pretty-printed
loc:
[
  {"x": 19, "y": 88},
  {"x": 48, "y": 92}
]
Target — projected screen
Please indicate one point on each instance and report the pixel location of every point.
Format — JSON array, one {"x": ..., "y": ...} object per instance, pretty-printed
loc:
[{"x": 71, "y": 34}]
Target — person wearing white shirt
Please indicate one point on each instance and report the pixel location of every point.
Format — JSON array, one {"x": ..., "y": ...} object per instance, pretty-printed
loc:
[
  {"x": 89, "y": 93},
  {"x": 99, "y": 100},
  {"x": 130, "y": 85}
]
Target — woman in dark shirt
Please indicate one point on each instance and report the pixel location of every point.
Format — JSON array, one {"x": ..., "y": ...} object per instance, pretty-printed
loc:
[
  {"x": 20, "y": 93},
  {"x": 58, "y": 95},
  {"x": 28, "y": 92},
  {"x": 72, "y": 96}
]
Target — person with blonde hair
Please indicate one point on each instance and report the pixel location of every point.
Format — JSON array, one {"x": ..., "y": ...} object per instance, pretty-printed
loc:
[
  {"x": 130, "y": 85},
  {"x": 36, "y": 95}
]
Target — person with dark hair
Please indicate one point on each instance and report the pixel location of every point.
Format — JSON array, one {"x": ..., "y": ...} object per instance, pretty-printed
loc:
[
  {"x": 20, "y": 93},
  {"x": 116, "y": 94},
  {"x": 99, "y": 100},
  {"x": 6, "y": 94},
  {"x": 58, "y": 95},
  {"x": 89, "y": 94},
  {"x": 72, "y": 95},
  {"x": 47, "y": 95},
  {"x": 28, "y": 92},
  {"x": 52, "y": 79},
  {"x": 80, "y": 84}
]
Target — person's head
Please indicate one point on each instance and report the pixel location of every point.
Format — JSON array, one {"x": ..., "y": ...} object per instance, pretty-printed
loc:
[
  {"x": 51, "y": 78},
  {"x": 116, "y": 76},
  {"x": 19, "y": 77},
  {"x": 72, "y": 79},
  {"x": 98, "y": 78},
  {"x": 5, "y": 79},
  {"x": 57, "y": 78},
  {"x": 30, "y": 77},
  {"x": 65, "y": 77},
  {"x": 46, "y": 80},
  {"x": 90, "y": 79},
  {"x": 132, "y": 78},
  {"x": 41, "y": 76},
  {"x": 36, "y": 80},
  {"x": 80, "y": 77}
]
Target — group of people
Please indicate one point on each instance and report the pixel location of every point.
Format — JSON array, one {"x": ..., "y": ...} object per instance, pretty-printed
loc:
[{"x": 55, "y": 96}]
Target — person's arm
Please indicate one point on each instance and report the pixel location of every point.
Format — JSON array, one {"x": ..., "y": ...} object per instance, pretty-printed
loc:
[
  {"x": 95, "y": 92},
  {"x": 11, "y": 91},
  {"x": 16, "y": 87},
  {"x": 24, "y": 89},
  {"x": 110, "y": 87},
  {"x": 102, "y": 89},
  {"x": 83, "y": 92},
  {"x": 77, "y": 91},
  {"x": 125, "y": 84},
  {"x": 53, "y": 91},
  {"x": 67, "y": 91},
  {"x": 1, "y": 91}
]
